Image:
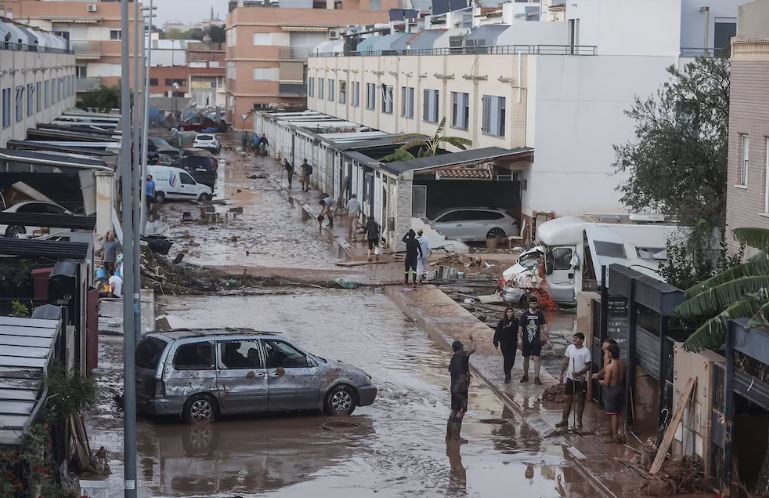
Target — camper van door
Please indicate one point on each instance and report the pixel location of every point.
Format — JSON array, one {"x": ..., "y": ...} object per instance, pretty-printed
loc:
[{"x": 560, "y": 273}]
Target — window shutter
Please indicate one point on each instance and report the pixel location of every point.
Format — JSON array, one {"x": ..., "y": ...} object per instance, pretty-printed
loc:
[
  {"x": 486, "y": 121},
  {"x": 426, "y": 105}
]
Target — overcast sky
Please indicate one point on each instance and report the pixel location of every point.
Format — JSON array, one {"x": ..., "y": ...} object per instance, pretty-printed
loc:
[{"x": 188, "y": 11}]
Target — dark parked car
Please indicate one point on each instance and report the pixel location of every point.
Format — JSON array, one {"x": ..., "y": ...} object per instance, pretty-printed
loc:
[
  {"x": 157, "y": 146},
  {"x": 198, "y": 124},
  {"x": 201, "y": 153},
  {"x": 201, "y": 168}
]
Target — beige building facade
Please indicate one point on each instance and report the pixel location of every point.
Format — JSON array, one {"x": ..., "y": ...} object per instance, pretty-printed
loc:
[
  {"x": 747, "y": 203},
  {"x": 268, "y": 47},
  {"x": 92, "y": 29}
]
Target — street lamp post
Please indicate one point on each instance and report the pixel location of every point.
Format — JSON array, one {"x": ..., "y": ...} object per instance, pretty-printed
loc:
[{"x": 147, "y": 55}]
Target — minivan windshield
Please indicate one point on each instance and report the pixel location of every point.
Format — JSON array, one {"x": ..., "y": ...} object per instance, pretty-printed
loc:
[{"x": 148, "y": 352}]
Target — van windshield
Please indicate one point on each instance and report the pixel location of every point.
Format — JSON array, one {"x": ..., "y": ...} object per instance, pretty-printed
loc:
[
  {"x": 529, "y": 261},
  {"x": 148, "y": 352}
]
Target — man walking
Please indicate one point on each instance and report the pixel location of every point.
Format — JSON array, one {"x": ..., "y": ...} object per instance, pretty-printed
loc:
[
  {"x": 306, "y": 172},
  {"x": 459, "y": 368},
  {"x": 614, "y": 392},
  {"x": 422, "y": 262},
  {"x": 109, "y": 251},
  {"x": 289, "y": 171},
  {"x": 150, "y": 195},
  {"x": 533, "y": 335},
  {"x": 353, "y": 213},
  {"x": 373, "y": 236},
  {"x": 329, "y": 205},
  {"x": 413, "y": 253},
  {"x": 576, "y": 363}
]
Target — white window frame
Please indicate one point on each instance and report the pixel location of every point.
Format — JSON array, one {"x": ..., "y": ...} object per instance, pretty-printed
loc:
[
  {"x": 371, "y": 96},
  {"x": 431, "y": 105},
  {"x": 342, "y": 92},
  {"x": 742, "y": 180},
  {"x": 321, "y": 87},
  {"x": 115, "y": 34},
  {"x": 407, "y": 102},
  {"x": 460, "y": 110},
  {"x": 311, "y": 86},
  {"x": 356, "y": 94},
  {"x": 493, "y": 121},
  {"x": 331, "y": 89},
  {"x": 387, "y": 99}
]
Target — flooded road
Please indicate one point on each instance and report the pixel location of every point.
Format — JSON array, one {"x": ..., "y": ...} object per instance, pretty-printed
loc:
[{"x": 393, "y": 448}]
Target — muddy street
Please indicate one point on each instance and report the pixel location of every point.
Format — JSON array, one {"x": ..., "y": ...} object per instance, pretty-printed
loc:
[{"x": 394, "y": 448}]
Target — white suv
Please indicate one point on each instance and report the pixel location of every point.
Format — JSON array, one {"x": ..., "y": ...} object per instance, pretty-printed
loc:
[
  {"x": 207, "y": 141},
  {"x": 474, "y": 224}
]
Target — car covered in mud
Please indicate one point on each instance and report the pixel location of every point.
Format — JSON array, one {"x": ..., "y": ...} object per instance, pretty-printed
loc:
[{"x": 201, "y": 374}]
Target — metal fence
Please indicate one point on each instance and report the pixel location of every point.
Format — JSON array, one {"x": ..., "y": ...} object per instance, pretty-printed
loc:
[
  {"x": 491, "y": 50},
  {"x": 23, "y": 47}
]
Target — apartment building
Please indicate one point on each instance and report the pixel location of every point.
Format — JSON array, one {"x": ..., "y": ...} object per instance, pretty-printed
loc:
[
  {"x": 37, "y": 80},
  {"x": 747, "y": 200},
  {"x": 268, "y": 45},
  {"x": 515, "y": 85},
  {"x": 92, "y": 29}
]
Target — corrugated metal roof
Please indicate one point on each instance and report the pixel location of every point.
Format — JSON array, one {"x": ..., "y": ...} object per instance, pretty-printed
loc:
[
  {"x": 456, "y": 159},
  {"x": 75, "y": 222},
  {"x": 43, "y": 248},
  {"x": 26, "y": 345}
]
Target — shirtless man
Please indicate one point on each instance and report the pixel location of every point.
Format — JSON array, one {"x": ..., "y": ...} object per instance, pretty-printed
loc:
[{"x": 614, "y": 391}]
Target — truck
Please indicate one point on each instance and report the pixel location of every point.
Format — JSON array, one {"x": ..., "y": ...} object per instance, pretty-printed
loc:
[{"x": 571, "y": 250}]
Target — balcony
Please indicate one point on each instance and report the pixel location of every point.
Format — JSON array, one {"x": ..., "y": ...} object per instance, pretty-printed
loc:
[
  {"x": 86, "y": 50},
  {"x": 292, "y": 89},
  {"x": 294, "y": 53},
  {"x": 87, "y": 84}
]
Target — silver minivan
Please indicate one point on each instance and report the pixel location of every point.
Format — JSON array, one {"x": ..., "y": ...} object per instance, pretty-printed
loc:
[{"x": 200, "y": 374}]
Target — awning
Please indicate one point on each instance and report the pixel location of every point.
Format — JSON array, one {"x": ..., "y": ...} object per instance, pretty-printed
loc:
[
  {"x": 26, "y": 346},
  {"x": 459, "y": 158}
]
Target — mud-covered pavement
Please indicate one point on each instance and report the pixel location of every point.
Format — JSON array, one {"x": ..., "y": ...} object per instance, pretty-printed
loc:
[{"x": 393, "y": 448}]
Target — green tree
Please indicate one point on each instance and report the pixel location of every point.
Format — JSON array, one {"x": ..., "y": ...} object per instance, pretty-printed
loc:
[
  {"x": 676, "y": 163},
  {"x": 217, "y": 34},
  {"x": 426, "y": 146},
  {"x": 740, "y": 291},
  {"x": 103, "y": 99}
]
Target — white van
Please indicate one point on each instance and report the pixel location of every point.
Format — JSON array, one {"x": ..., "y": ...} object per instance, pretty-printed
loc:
[{"x": 175, "y": 183}]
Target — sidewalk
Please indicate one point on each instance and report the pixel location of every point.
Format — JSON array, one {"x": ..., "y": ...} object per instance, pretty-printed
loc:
[{"x": 446, "y": 321}]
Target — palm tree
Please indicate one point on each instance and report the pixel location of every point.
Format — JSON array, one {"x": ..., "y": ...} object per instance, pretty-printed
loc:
[
  {"x": 739, "y": 292},
  {"x": 427, "y": 146}
]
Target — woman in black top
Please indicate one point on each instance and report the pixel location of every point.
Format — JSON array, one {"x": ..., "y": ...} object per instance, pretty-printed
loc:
[{"x": 506, "y": 335}]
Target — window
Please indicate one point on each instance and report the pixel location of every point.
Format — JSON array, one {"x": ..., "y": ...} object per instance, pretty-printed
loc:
[
  {"x": 430, "y": 106},
  {"x": 186, "y": 179},
  {"x": 281, "y": 354},
  {"x": 562, "y": 258},
  {"x": 262, "y": 39},
  {"x": 493, "y": 116},
  {"x": 356, "y": 94},
  {"x": 39, "y": 93},
  {"x": 407, "y": 102},
  {"x": 311, "y": 86},
  {"x": 6, "y": 107},
  {"x": 196, "y": 356},
  {"x": 387, "y": 99},
  {"x": 19, "y": 103},
  {"x": 370, "y": 96},
  {"x": 321, "y": 83},
  {"x": 744, "y": 160},
  {"x": 609, "y": 249},
  {"x": 232, "y": 37},
  {"x": 342, "y": 92},
  {"x": 154, "y": 82},
  {"x": 47, "y": 93},
  {"x": 148, "y": 352},
  {"x": 115, "y": 34},
  {"x": 30, "y": 99},
  {"x": 171, "y": 81},
  {"x": 241, "y": 354},
  {"x": 460, "y": 110},
  {"x": 331, "y": 89},
  {"x": 81, "y": 72}
]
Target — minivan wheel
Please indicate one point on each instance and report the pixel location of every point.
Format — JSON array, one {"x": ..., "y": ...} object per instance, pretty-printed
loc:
[
  {"x": 14, "y": 231},
  {"x": 160, "y": 197},
  {"x": 204, "y": 197},
  {"x": 496, "y": 233},
  {"x": 340, "y": 400},
  {"x": 200, "y": 408}
]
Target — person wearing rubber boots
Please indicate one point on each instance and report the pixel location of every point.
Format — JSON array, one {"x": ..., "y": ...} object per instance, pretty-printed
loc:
[
  {"x": 577, "y": 362},
  {"x": 459, "y": 368}
]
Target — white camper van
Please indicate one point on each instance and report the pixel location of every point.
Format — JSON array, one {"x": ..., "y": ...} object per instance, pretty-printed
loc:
[
  {"x": 175, "y": 183},
  {"x": 571, "y": 251}
]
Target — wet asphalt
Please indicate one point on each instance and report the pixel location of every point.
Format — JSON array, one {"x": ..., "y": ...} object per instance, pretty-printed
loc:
[{"x": 393, "y": 448}]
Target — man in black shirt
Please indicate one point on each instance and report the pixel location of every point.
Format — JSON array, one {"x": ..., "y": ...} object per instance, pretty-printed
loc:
[
  {"x": 459, "y": 368},
  {"x": 372, "y": 235},
  {"x": 306, "y": 172},
  {"x": 532, "y": 324},
  {"x": 413, "y": 252}
]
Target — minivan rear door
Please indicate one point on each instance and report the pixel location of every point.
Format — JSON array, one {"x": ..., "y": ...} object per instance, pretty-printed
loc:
[
  {"x": 242, "y": 379},
  {"x": 149, "y": 353}
]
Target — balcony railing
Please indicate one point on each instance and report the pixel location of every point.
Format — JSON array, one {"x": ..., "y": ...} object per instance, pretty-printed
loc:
[
  {"x": 491, "y": 49},
  {"x": 87, "y": 84},
  {"x": 86, "y": 48},
  {"x": 704, "y": 52},
  {"x": 300, "y": 53},
  {"x": 292, "y": 89},
  {"x": 22, "y": 47}
]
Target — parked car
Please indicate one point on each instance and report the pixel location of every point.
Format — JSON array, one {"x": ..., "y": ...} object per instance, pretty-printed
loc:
[
  {"x": 201, "y": 168},
  {"x": 198, "y": 124},
  {"x": 200, "y": 152},
  {"x": 158, "y": 146},
  {"x": 474, "y": 224},
  {"x": 175, "y": 183},
  {"x": 201, "y": 374},
  {"x": 207, "y": 141},
  {"x": 36, "y": 207}
]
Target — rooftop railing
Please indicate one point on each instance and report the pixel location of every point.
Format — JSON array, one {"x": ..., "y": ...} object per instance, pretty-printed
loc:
[
  {"x": 23, "y": 47},
  {"x": 491, "y": 49}
]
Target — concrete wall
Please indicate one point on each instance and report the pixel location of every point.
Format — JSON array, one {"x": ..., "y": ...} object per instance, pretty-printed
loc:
[
  {"x": 20, "y": 69},
  {"x": 752, "y": 20},
  {"x": 698, "y": 24}
]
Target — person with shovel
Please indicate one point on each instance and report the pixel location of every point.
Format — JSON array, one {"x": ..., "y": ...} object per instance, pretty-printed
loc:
[{"x": 577, "y": 362}]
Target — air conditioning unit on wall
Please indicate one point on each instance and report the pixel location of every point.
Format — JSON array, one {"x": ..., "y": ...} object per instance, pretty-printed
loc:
[
  {"x": 92, "y": 7},
  {"x": 334, "y": 34}
]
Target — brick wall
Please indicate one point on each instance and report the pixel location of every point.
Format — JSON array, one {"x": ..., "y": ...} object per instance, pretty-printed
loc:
[{"x": 749, "y": 115}]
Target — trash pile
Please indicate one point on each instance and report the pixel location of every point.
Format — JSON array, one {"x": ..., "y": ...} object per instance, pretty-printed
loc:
[
  {"x": 683, "y": 475},
  {"x": 555, "y": 393}
]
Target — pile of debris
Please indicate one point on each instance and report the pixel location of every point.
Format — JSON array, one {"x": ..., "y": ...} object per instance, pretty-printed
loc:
[
  {"x": 683, "y": 475},
  {"x": 555, "y": 393}
]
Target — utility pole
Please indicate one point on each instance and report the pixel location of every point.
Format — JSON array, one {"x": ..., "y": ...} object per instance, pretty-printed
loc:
[
  {"x": 147, "y": 54},
  {"x": 137, "y": 183},
  {"x": 129, "y": 298}
]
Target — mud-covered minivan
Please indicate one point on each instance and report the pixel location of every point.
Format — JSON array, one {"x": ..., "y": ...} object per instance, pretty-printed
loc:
[{"x": 200, "y": 374}]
